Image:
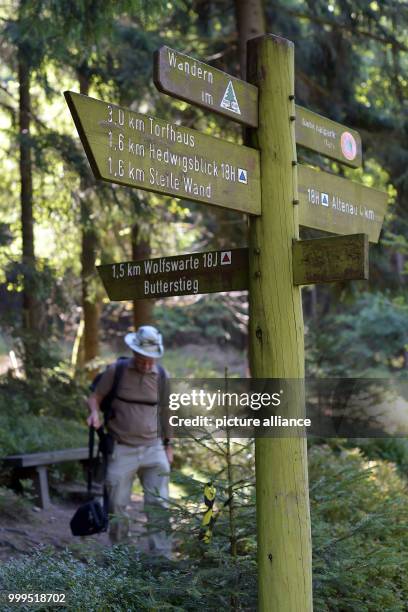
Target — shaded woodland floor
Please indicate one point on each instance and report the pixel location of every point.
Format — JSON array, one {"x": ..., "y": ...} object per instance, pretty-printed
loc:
[{"x": 51, "y": 528}]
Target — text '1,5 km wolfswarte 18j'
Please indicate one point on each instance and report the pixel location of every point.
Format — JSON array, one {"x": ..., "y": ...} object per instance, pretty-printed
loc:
[
  {"x": 141, "y": 151},
  {"x": 206, "y": 272}
]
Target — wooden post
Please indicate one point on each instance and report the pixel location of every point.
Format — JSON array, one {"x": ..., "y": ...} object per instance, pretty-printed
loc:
[
  {"x": 42, "y": 487},
  {"x": 276, "y": 336}
]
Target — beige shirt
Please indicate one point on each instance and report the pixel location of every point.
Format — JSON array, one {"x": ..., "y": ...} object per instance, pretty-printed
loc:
[{"x": 136, "y": 419}]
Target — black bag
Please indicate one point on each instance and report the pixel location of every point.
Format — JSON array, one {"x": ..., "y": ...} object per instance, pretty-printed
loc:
[{"x": 92, "y": 517}]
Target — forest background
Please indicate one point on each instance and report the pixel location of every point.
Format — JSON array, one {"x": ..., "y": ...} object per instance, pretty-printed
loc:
[{"x": 58, "y": 327}]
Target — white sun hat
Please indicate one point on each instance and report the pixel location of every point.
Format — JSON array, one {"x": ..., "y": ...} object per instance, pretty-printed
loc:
[{"x": 147, "y": 341}]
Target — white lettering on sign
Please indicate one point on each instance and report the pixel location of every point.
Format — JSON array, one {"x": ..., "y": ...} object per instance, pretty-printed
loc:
[
  {"x": 170, "y": 133},
  {"x": 198, "y": 189},
  {"x": 229, "y": 100},
  {"x": 229, "y": 173},
  {"x": 180, "y": 285},
  {"x": 167, "y": 180},
  {"x": 136, "y": 148},
  {"x": 136, "y": 174},
  {"x": 116, "y": 116},
  {"x": 136, "y": 124},
  {"x": 345, "y": 207},
  {"x": 337, "y": 203},
  {"x": 210, "y": 260},
  {"x": 133, "y": 269},
  {"x": 187, "y": 163},
  {"x": 320, "y": 129},
  {"x": 207, "y": 98},
  {"x": 323, "y": 130},
  {"x": 164, "y": 265},
  {"x": 183, "y": 183},
  {"x": 190, "y": 67}
]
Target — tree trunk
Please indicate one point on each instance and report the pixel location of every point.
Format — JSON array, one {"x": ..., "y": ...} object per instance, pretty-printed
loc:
[
  {"x": 32, "y": 319},
  {"x": 400, "y": 267},
  {"x": 250, "y": 18},
  {"x": 90, "y": 304},
  {"x": 142, "y": 309}
]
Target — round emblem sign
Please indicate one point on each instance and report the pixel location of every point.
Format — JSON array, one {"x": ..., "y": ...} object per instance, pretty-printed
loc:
[{"x": 348, "y": 146}]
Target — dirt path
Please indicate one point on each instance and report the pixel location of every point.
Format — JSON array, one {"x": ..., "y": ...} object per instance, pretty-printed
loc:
[{"x": 51, "y": 527}]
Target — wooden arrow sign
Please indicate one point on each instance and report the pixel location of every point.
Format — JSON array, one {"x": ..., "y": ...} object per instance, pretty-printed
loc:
[
  {"x": 184, "y": 77},
  {"x": 328, "y": 137},
  {"x": 207, "y": 272},
  {"x": 141, "y": 151},
  {"x": 326, "y": 260},
  {"x": 337, "y": 205}
]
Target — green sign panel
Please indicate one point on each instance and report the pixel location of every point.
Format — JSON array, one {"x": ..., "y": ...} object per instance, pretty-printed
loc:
[
  {"x": 325, "y": 260},
  {"x": 328, "y": 137},
  {"x": 337, "y": 205},
  {"x": 186, "y": 78},
  {"x": 141, "y": 151},
  {"x": 207, "y": 272}
]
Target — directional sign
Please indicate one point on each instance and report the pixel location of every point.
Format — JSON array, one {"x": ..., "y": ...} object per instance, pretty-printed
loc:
[
  {"x": 325, "y": 260},
  {"x": 328, "y": 137},
  {"x": 186, "y": 78},
  {"x": 207, "y": 272},
  {"x": 141, "y": 151},
  {"x": 337, "y": 205}
]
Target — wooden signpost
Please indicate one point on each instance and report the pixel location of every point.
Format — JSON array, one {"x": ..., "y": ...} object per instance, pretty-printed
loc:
[
  {"x": 325, "y": 260},
  {"x": 334, "y": 204},
  {"x": 276, "y": 338},
  {"x": 207, "y": 272},
  {"x": 141, "y": 151},
  {"x": 327, "y": 137},
  {"x": 184, "y": 77}
]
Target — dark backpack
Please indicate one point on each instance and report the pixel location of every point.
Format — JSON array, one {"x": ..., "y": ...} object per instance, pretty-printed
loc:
[{"x": 106, "y": 403}]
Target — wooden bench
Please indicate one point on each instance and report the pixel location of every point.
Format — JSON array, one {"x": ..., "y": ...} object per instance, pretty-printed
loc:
[{"x": 40, "y": 461}]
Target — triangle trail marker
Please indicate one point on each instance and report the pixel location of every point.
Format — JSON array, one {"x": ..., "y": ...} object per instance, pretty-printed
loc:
[{"x": 229, "y": 100}]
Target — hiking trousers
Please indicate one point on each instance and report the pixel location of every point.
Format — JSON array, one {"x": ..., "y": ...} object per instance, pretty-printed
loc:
[{"x": 151, "y": 465}]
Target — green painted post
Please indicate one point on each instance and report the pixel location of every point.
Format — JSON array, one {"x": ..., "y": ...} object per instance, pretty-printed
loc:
[{"x": 276, "y": 336}]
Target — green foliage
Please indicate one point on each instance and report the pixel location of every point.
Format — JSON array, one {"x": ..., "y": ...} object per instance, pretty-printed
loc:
[
  {"x": 124, "y": 581},
  {"x": 212, "y": 318},
  {"x": 389, "y": 449},
  {"x": 359, "y": 517},
  {"x": 42, "y": 414},
  {"x": 363, "y": 339},
  {"x": 55, "y": 394},
  {"x": 32, "y": 434}
]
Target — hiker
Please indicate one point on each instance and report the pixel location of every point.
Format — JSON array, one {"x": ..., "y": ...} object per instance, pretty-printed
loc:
[{"x": 138, "y": 426}]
